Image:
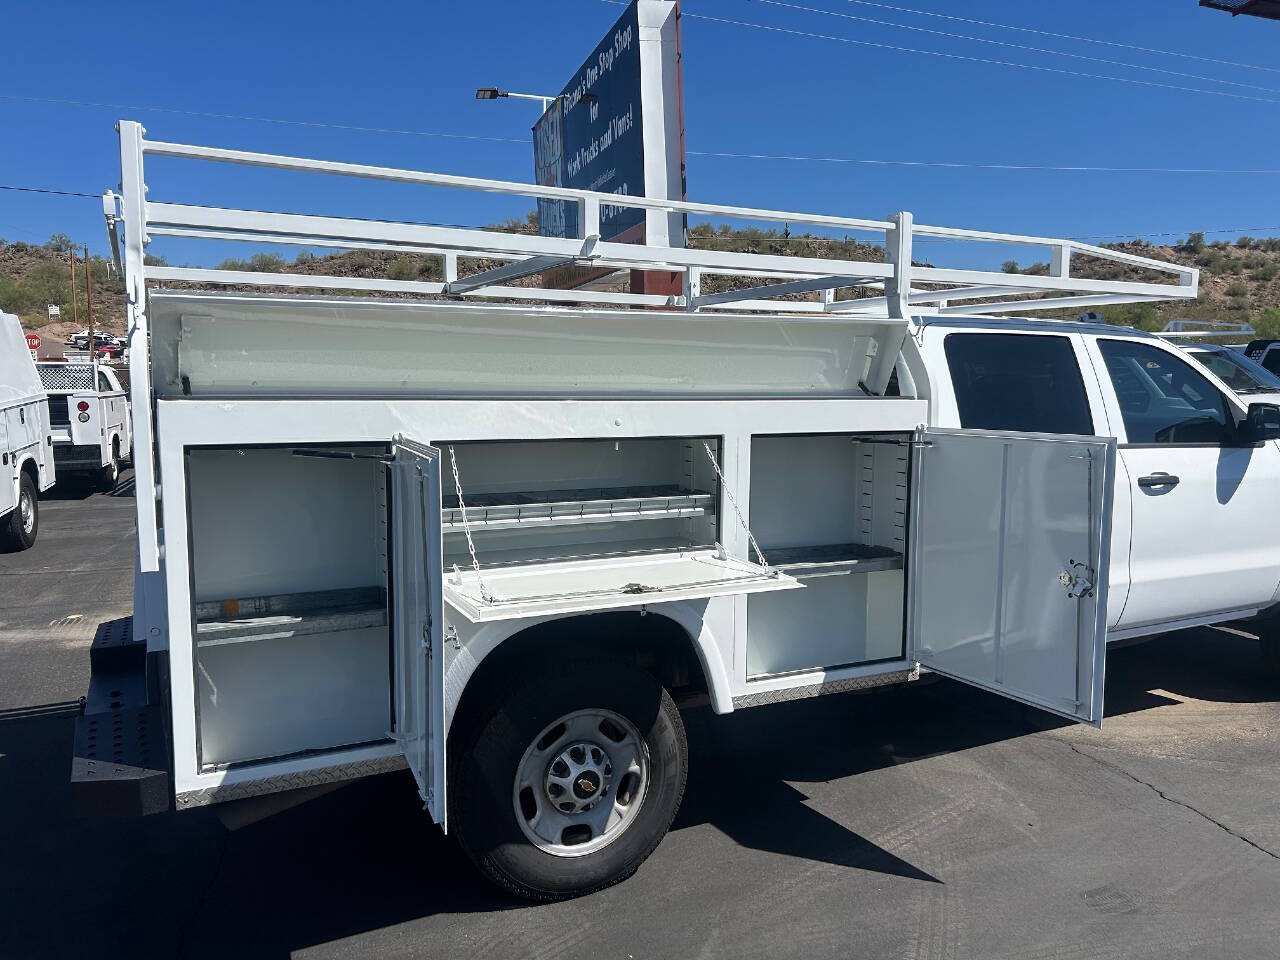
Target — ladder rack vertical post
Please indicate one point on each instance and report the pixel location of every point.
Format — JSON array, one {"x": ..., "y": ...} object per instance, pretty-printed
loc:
[{"x": 897, "y": 290}]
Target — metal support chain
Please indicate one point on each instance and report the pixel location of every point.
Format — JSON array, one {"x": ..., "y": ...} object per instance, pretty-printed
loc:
[
  {"x": 751, "y": 537},
  {"x": 485, "y": 595}
]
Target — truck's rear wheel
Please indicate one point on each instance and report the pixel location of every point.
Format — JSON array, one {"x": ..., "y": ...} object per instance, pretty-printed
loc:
[
  {"x": 18, "y": 530},
  {"x": 564, "y": 783},
  {"x": 110, "y": 475}
]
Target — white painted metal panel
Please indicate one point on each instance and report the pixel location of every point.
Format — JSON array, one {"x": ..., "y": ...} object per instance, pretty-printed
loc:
[
  {"x": 542, "y": 589},
  {"x": 417, "y": 617},
  {"x": 1007, "y": 529}
]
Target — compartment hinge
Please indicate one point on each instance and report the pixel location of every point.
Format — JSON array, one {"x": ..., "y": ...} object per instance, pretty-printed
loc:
[{"x": 1078, "y": 578}]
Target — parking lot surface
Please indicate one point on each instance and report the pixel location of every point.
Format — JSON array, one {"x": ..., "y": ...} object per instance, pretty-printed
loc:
[{"x": 929, "y": 822}]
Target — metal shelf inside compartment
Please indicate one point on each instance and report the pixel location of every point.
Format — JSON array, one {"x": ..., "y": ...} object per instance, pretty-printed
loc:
[
  {"x": 543, "y": 508},
  {"x": 859, "y": 557},
  {"x": 249, "y": 619}
]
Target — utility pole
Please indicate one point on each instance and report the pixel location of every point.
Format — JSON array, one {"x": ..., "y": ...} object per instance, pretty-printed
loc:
[
  {"x": 75, "y": 312},
  {"x": 88, "y": 307}
]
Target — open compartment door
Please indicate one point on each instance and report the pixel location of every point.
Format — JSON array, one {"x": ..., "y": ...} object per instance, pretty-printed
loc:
[
  {"x": 1008, "y": 566},
  {"x": 416, "y": 617}
]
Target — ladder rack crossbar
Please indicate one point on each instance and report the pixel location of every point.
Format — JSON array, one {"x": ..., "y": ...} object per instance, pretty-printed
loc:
[{"x": 772, "y": 277}]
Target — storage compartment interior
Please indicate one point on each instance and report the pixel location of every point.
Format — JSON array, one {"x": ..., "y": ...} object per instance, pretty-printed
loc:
[
  {"x": 289, "y": 578},
  {"x": 829, "y": 510},
  {"x": 562, "y": 499}
]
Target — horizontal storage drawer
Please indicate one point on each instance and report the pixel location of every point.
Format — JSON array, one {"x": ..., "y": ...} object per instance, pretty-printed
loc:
[{"x": 559, "y": 507}]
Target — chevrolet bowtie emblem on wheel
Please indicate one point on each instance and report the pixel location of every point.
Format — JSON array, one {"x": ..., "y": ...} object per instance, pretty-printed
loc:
[{"x": 585, "y": 785}]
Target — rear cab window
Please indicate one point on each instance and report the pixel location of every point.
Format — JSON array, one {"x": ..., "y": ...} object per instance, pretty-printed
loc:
[{"x": 1017, "y": 381}]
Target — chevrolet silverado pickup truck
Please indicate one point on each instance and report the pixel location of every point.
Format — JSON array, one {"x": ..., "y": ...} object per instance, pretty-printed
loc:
[{"x": 1195, "y": 534}]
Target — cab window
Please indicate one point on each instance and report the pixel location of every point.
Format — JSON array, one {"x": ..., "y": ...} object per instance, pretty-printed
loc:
[
  {"x": 1163, "y": 399},
  {"x": 1018, "y": 381}
]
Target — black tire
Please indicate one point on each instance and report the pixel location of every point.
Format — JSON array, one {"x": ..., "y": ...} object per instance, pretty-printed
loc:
[
  {"x": 110, "y": 475},
  {"x": 1269, "y": 637},
  {"x": 15, "y": 533},
  {"x": 485, "y": 750}
]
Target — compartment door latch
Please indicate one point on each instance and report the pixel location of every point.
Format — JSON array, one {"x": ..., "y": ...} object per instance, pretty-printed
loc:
[{"x": 1078, "y": 578}]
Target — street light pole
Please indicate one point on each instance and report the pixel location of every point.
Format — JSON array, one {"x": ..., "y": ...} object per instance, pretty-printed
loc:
[{"x": 493, "y": 93}]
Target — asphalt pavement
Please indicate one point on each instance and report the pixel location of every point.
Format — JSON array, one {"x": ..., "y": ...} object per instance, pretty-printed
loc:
[{"x": 932, "y": 822}]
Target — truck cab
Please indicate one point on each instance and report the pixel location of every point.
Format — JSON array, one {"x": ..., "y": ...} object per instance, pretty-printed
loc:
[{"x": 1195, "y": 528}]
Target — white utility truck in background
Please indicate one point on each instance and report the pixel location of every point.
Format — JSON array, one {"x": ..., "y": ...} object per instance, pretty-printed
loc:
[
  {"x": 497, "y": 542},
  {"x": 26, "y": 459},
  {"x": 89, "y": 412},
  {"x": 1193, "y": 455}
]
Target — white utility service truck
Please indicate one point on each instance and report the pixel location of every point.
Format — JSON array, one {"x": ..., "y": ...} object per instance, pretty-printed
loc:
[
  {"x": 496, "y": 532},
  {"x": 89, "y": 411},
  {"x": 26, "y": 460},
  {"x": 1192, "y": 454}
]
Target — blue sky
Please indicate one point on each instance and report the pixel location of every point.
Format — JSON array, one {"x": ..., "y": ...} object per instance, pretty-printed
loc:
[{"x": 747, "y": 90}]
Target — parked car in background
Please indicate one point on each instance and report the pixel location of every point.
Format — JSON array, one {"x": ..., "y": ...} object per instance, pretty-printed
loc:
[
  {"x": 89, "y": 416},
  {"x": 1249, "y": 379},
  {"x": 26, "y": 458}
]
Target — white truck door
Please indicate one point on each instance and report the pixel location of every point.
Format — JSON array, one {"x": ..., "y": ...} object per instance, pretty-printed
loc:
[
  {"x": 416, "y": 615},
  {"x": 1010, "y": 543},
  {"x": 1205, "y": 523}
]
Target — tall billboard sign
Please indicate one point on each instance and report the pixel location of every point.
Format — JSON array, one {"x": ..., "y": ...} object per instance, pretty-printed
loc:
[{"x": 618, "y": 127}]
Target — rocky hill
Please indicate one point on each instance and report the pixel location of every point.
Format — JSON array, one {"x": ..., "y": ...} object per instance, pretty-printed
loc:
[{"x": 1239, "y": 281}]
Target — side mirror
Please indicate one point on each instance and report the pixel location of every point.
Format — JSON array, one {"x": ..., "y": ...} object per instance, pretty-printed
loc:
[{"x": 1261, "y": 423}]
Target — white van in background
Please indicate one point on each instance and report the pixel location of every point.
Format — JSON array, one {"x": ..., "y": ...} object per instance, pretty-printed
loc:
[{"x": 26, "y": 455}]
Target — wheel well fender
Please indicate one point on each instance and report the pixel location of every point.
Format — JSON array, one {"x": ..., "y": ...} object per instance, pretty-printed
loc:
[{"x": 657, "y": 639}]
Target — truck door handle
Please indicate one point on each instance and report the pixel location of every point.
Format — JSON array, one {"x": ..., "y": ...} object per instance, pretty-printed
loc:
[{"x": 1158, "y": 480}]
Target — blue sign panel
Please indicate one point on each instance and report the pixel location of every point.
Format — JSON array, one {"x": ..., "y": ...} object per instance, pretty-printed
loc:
[{"x": 591, "y": 138}]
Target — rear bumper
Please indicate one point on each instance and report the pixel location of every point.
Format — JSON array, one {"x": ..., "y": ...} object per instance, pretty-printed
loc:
[
  {"x": 120, "y": 761},
  {"x": 75, "y": 457}
]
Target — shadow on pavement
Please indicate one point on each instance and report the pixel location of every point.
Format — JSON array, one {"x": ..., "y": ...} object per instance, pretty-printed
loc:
[{"x": 365, "y": 857}]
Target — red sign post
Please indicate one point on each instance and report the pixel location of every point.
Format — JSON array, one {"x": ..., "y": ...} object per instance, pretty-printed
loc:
[{"x": 33, "y": 341}]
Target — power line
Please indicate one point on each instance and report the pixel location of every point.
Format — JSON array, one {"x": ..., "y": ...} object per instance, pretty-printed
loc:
[
  {"x": 253, "y": 119},
  {"x": 60, "y": 193},
  {"x": 1064, "y": 36},
  {"x": 979, "y": 166},
  {"x": 722, "y": 154},
  {"x": 1015, "y": 46},
  {"x": 971, "y": 59}
]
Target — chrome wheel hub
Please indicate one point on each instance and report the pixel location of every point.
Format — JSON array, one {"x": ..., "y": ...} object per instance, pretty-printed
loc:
[
  {"x": 581, "y": 783},
  {"x": 28, "y": 512},
  {"x": 578, "y": 778}
]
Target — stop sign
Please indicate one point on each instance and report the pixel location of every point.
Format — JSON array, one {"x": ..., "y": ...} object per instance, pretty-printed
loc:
[{"x": 33, "y": 341}]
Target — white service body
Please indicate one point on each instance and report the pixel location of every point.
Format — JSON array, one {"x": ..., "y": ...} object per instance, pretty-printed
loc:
[
  {"x": 24, "y": 419},
  {"x": 354, "y": 513},
  {"x": 93, "y": 439}
]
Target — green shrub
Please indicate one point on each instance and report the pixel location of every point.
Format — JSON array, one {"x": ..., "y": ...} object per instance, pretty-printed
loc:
[
  {"x": 404, "y": 269},
  {"x": 1195, "y": 242},
  {"x": 1009, "y": 266},
  {"x": 1268, "y": 271},
  {"x": 1244, "y": 243},
  {"x": 1237, "y": 290}
]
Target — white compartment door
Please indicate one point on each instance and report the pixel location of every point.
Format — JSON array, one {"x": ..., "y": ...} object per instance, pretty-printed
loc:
[
  {"x": 417, "y": 620},
  {"x": 1008, "y": 567}
]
